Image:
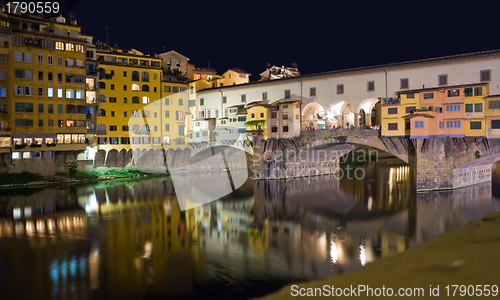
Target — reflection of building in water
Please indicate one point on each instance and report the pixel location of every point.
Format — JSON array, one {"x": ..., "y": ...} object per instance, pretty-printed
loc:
[
  {"x": 442, "y": 211},
  {"x": 143, "y": 240},
  {"x": 30, "y": 203},
  {"x": 39, "y": 262}
]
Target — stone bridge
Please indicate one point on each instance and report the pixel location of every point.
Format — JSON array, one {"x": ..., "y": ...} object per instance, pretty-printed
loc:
[
  {"x": 317, "y": 152},
  {"x": 438, "y": 163}
]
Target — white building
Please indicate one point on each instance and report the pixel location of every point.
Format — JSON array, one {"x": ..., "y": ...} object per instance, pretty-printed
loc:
[{"x": 346, "y": 94}]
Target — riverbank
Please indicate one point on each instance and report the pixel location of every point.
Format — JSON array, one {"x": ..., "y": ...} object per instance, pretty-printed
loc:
[
  {"x": 466, "y": 257},
  {"x": 72, "y": 176}
]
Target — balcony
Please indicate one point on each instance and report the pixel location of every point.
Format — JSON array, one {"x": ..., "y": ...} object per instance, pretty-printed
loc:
[{"x": 391, "y": 101}]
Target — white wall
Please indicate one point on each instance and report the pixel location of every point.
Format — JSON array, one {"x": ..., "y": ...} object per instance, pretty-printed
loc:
[{"x": 355, "y": 83}]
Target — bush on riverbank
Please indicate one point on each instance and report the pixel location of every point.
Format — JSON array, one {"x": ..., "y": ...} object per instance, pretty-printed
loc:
[{"x": 19, "y": 178}]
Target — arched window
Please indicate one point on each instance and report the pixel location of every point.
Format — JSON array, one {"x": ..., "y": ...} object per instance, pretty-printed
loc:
[
  {"x": 135, "y": 87},
  {"x": 101, "y": 129},
  {"x": 101, "y": 113},
  {"x": 91, "y": 127},
  {"x": 101, "y": 98},
  {"x": 145, "y": 76},
  {"x": 135, "y": 99},
  {"x": 102, "y": 85},
  {"x": 145, "y": 129},
  {"x": 145, "y": 100},
  {"x": 135, "y": 76},
  {"x": 136, "y": 113},
  {"x": 136, "y": 129},
  {"x": 145, "y": 114},
  {"x": 145, "y": 88}
]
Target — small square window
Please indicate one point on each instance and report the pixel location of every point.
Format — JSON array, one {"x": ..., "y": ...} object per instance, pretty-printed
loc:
[
  {"x": 371, "y": 86},
  {"x": 340, "y": 88}
]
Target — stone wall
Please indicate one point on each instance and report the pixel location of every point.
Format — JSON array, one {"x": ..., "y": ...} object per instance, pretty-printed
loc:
[{"x": 58, "y": 162}]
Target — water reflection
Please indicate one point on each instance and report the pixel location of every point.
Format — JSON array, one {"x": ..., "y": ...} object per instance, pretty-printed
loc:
[{"x": 131, "y": 241}]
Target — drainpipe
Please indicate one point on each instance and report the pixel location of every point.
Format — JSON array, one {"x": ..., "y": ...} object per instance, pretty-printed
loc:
[
  {"x": 300, "y": 109},
  {"x": 385, "y": 84}
]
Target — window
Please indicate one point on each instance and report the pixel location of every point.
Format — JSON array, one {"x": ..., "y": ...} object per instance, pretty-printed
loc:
[
  {"x": 40, "y": 92},
  {"x": 404, "y": 83},
  {"x": 454, "y": 93},
  {"x": 340, "y": 88},
  {"x": 112, "y": 99},
  {"x": 392, "y": 126},
  {"x": 112, "y": 86},
  {"x": 419, "y": 124},
  {"x": 19, "y": 90},
  {"x": 50, "y": 60},
  {"x": 101, "y": 98},
  {"x": 495, "y": 124},
  {"x": 264, "y": 96},
  {"x": 179, "y": 115},
  {"x": 243, "y": 98},
  {"x": 59, "y": 77},
  {"x": 484, "y": 75},
  {"x": 287, "y": 94},
  {"x": 28, "y": 91},
  {"x": 478, "y": 91},
  {"x": 145, "y": 76},
  {"x": 224, "y": 99},
  {"x": 451, "y": 108},
  {"x": 371, "y": 86},
  {"x": 135, "y": 87},
  {"x": 112, "y": 127},
  {"x": 175, "y": 89},
  {"x": 51, "y": 108},
  {"x": 392, "y": 111},
  {"x": 478, "y": 107},
  {"x": 468, "y": 92},
  {"x": 59, "y": 61},
  {"x": 50, "y": 76},
  {"x": 167, "y": 114},
  {"x": 285, "y": 116},
  {"x": 40, "y": 58},
  {"x": 3, "y": 58},
  {"x": 410, "y": 96},
  {"x": 453, "y": 124},
  {"x": 59, "y": 108},
  {"x": 468, "y": 108},
  {"x": 494, "y": 104},
  {"x": 145, "y": 88},
  {"x": 274, "y": 129},
  {"x": 410, "y": 109},
  {"x": 428, "y": 95},
  {"x": 145, "y": 100},
  {"x": 475, "y": 125},
  {"x": 135, "y": 100},
  {"x": 443, "y": 79},
  {"x": 441, "y": 124},
  {"x": 167, "y": 89},
  {"x": 167, "y": 127},
  {"x": 262, "y": 115},
  {"x": 285, "y": 128}
]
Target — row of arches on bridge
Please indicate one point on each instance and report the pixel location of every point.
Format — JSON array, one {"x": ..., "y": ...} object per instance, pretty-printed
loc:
[
  {"x": 147, "y": 159},
  {"x": 341, "y": 114}
]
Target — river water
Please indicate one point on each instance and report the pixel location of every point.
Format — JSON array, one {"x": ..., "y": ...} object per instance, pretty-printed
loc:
[{"x": 130, "y": 240}]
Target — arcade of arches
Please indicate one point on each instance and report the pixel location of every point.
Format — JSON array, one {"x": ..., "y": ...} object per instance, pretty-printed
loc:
[{"x": 341, "y": 115}]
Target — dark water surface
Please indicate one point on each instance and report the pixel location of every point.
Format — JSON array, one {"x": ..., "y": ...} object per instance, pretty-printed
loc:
[{"x": 129, "y": 240}]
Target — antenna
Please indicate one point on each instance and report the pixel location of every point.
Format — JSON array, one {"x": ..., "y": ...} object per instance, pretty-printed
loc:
[
  {"x": 106, "y": 35},
  {"x": 71, "y": 16}
]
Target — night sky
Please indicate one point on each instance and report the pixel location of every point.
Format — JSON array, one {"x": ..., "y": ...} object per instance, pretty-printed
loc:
[{"x": 319, "y": 37}]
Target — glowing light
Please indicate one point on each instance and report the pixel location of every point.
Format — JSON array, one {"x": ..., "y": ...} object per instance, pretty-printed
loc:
[
  {"x": 370, "y": 203},
  {"x": 334, "y": 255},
  {"x": 362, "y": 254}
]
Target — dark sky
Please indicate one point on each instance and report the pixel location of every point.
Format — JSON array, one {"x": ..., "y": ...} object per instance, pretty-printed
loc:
[{"x": 318, "y": 36}]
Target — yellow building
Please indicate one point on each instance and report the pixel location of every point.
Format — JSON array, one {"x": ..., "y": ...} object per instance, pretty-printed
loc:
[
  {"x": 128, "y": 81},
  {"x": 475, "y": 124},
  {"x": 42, "y": 87},
  {"x": 258, "y": 119},
  {"x": 492, "y": 116},
  {"x": 176, "y": 113},
  {"x": 394, "y": 109}
]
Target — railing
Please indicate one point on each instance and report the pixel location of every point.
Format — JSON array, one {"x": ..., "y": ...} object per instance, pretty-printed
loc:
[{"x": 391, "y": 101}]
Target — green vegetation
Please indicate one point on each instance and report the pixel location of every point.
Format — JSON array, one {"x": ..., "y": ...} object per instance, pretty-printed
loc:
[
  {"x": 19, "y": 178},
  {"x": 477, "y": 154},
  {"x": 255, "y": 126}
]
